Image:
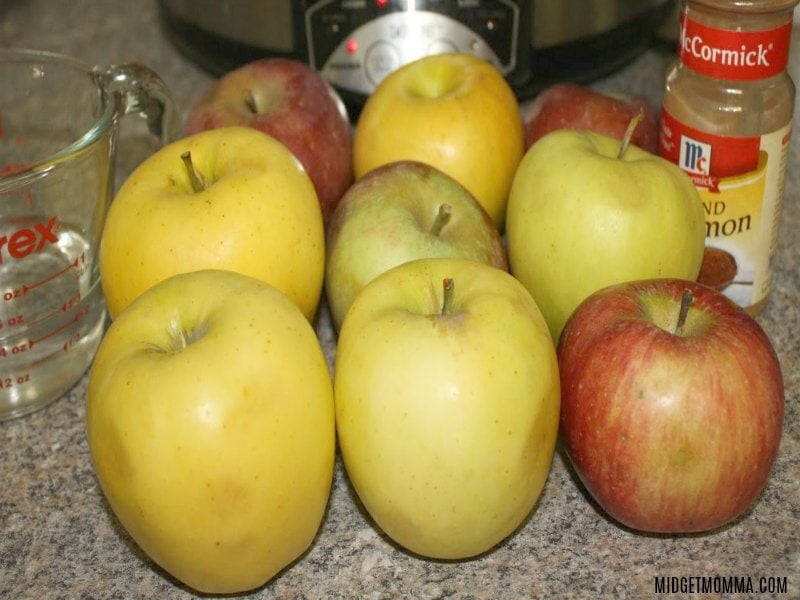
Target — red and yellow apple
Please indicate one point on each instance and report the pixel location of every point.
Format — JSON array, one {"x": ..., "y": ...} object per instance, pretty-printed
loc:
[
  {"x": 229, "y": 198},
  {"x": 288, "y": 100},
  {"x": 210, "y": 422},
  {"x": 672, "y": 404},
  {"x": 453, "y": 111},
  {"x": 399, "y": 212},
  {"x": 572, "y": 106}
]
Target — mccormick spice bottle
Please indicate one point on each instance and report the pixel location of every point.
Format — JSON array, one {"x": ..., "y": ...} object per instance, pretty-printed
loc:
[{"x": 726, "y": 121}]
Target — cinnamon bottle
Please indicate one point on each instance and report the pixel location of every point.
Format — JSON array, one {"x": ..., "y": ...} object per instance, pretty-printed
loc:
[{"x": 726, "y": 121}]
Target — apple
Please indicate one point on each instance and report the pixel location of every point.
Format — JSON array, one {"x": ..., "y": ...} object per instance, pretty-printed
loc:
[
  {"x": 453, "y": 111},
  {"x": 398, "y": 212},
  {"x": 229, "y": 198},
  {"x": 447, "y": 400},
  {"x": 288, "y": 100},
  {"x": 587, "y": 211},
  {"x": 572, "y": 106},
  {"x": 672, "y": 404},
  {"x": 210, "y": 422}
]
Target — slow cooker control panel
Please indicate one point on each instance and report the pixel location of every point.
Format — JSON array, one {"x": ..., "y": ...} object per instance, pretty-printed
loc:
[{"x": 356, "y": 43}]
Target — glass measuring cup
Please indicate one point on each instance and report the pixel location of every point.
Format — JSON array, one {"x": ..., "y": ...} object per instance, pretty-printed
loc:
[{"x": 58, "y": 125}]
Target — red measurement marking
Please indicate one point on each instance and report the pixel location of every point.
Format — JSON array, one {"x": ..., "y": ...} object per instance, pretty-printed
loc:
[
  {"x": 71, "y": 342},
  {"x": 71, "y": 303},
  {"x": 8, "y": 382},
  {"x": 13, "y": 169},
  {"x": 26, "y": 288},
  {"x": 78, "y": 316}
]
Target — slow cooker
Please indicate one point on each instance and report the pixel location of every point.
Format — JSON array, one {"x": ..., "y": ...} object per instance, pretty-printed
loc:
[{"x": 356, "y": 43}]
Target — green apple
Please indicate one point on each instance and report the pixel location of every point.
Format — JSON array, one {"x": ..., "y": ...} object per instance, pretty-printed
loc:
[
  {"x": 453, "y": 111},
  {"x": 229, "y": 198},
  {"x": 447, "y": 404},
  {"x": 210, "y": 422},
  {"x": 587, "y": 211},
  {"x": 396, "y": 213}
]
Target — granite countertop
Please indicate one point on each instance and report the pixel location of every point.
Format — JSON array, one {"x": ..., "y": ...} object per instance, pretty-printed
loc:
[{"x": 58, "y": 538}]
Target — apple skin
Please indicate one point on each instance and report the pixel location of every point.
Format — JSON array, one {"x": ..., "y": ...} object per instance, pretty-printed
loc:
[
  {"x": 580, "y": 219},
  {"x": 572, "y": 106},
  {"x": 258, "y": 215},
  {"x": 194, "y": 406},
  {"x": 669, "y": 433},
  {"x": 447, "y": 424},
  {"x": 385, "y": 219},
  {"x": 295, "y": 105},
  {"x": 453, "y": 111}
]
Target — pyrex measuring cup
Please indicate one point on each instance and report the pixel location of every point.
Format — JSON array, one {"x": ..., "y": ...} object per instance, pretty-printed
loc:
[{"x": 58, "y": 125}]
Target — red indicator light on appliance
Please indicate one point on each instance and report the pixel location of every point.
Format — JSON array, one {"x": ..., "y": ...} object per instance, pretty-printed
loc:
[
  {"x": 381, "y": 3},
  {"x": 351, "y": 45}
]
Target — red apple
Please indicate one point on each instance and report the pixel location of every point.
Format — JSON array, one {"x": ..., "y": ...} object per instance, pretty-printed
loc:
[
  {"x": 571, "y": 106},
  {"x": 672, "y": 404},
  {"x": 288, "y": 100}
]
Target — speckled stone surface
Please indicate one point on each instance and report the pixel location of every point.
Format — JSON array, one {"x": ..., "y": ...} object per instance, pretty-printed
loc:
[{"x": 58, "y": 538}]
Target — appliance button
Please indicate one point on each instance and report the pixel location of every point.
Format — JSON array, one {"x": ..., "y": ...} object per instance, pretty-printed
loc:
[
  {"x": 380, "y": 59},
  {"x": 441, "y": 46}
]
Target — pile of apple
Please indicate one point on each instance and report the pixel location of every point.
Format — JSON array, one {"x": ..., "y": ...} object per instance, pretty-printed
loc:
[{"x": 494, "y": 277}]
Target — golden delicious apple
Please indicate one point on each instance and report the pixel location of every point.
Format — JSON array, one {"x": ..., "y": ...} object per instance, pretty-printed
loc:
[
  {"x": 453, "y": 111},
  {"x": 587, "y": 211},
  {"x": 447, "y": 404},
  {"x": 228, "y": 198},
  {"x": 210, "y": 422}
]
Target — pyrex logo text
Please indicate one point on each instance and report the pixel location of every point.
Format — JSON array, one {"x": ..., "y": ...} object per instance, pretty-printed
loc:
[
  {"x": 695, "y": 157},
  {"x": 696, "y": 46},
  {"x": 27, "y": 240}
]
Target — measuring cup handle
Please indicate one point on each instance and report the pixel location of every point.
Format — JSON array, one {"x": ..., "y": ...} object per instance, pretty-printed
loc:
[{"x": 138, "y": 89}]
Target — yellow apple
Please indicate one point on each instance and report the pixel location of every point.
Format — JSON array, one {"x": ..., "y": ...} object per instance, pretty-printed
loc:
[
  {"x": 229, "y": 198},
  {"x": 587, "y": 211},
  {"x": 447, "y": 404},
  {"x": 210, "y": 422},
  {"x": 453, "y": 111}
]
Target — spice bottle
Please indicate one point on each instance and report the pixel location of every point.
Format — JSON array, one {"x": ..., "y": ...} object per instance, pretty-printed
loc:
[{"x": 726, "y": 121}]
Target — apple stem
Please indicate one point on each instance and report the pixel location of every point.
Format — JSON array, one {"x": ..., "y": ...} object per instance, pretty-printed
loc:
[
  {"x": 626, "y": 139},
  {"x": 442, "y": 218},
  {"x": 183, "y": 340},
  {"x": 250, "y": 102},
  {"x": 447, "y": 302},
  {"x": 196, "y": 179},
  {"x": 686, "y": 301}
]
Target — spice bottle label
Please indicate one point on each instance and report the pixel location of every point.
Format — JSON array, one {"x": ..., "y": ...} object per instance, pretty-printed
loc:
[
  {"x": 734, "y": 55},
  {"x": 741, "y": 182}
]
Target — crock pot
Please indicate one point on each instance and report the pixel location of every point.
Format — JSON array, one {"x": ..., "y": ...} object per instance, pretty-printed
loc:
[{"x": 355, "y": 43}]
